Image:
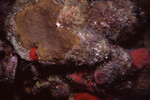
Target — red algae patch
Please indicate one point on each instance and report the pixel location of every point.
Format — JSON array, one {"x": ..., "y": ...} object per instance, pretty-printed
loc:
[
  {"x": 85, "y": 96},
  {"x": 141, "y": 58},
  {"x": 36, "y": 26},
  {"x": 33, "y": 54}
]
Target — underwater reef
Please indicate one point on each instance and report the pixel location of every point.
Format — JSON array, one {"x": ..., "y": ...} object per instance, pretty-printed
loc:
[{"x": 75, "y": 49}]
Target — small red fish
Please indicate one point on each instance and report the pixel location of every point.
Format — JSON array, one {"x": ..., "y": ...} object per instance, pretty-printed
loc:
[
  {"x": 33, "y": 54},
  {"x": 141, "y": 58}
]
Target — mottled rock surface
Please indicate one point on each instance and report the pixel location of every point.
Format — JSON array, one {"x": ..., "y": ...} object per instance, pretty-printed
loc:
[
  {"x": 69, "y": 47},
  {"x": 115, "y": 19},
  {"x": 8, "y": 62},
  {"x": 69, "y": 31}
]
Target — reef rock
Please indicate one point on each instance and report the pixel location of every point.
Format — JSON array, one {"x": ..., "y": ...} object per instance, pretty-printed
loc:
[
  {"x": 33, "y": 24},
  {"x": 8, "y": 62},
  {"x": 68, "y": 32}
]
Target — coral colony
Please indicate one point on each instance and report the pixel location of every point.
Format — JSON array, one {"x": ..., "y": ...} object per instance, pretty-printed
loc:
[{"x": 76, "y": 49}]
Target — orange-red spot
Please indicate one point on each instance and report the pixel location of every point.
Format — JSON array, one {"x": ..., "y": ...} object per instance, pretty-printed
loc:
[
  {"x": 140, "y": 58},
  {"x": 28, "y": 90},
  {"x": 33, "y": 54},
  {"x": 85, "y": 96}
]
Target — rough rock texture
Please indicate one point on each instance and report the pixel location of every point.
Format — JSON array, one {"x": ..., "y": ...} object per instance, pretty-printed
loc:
[
  {"x": 54, "y": 84},
  {"x": 36, "y": 25},
  {"x": 119, "y": 65},
  {"x": 8, "y": 62},
  {"x": 115, "y": 19},
  {"x": 142, "y": 86},
  {"x": 69, "y": 31},
  {"x": 64, "y": 48}
]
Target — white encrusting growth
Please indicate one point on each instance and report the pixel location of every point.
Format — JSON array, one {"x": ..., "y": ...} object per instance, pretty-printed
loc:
[{"x": 58, "y": 24}]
